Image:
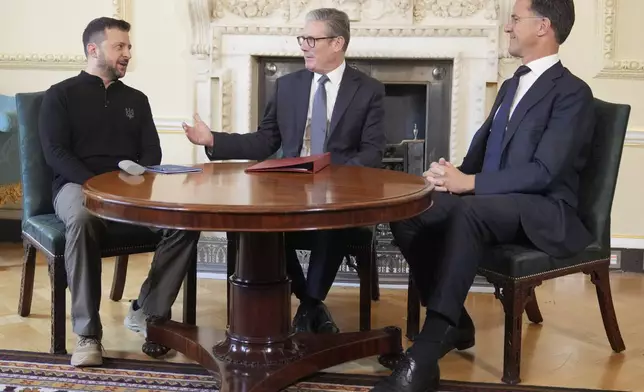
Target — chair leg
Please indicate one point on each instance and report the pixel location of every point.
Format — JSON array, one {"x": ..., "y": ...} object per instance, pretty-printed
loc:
[
  {"x": 375, "y": 281},
  {"x": 413, "y": 310},
  {"x": 118, "y": 282},
  {"x": 532, "y": 310},
  {"x": 231, "y": 259},
  {"x": 27, "y": 285},
  {"x": 58, "y": 282},
  {"x": 190, "y": 295},
  {"x": 600, "y": 278},
  {"x": 365, "y": 266},
  {"x": 514, "y": 297}
]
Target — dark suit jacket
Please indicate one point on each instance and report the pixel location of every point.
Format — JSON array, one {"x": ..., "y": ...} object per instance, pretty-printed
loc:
[
  {"x": 356, "y": 133},
  {"x": 545, "y": 148}
]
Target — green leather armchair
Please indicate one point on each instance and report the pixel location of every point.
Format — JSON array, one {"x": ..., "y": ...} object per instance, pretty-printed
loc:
[
  {"x": 43, "y": 231},
  {"x": 515, "y": 271}
]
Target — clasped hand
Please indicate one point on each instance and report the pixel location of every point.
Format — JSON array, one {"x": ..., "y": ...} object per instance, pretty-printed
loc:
[{"x": 446, "y": 178}]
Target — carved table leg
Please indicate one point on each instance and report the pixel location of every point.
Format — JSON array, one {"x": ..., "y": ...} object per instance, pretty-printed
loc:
[{"x": 258, "y": 352}]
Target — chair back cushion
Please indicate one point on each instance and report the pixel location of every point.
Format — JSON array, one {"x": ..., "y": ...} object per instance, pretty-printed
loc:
[
  {"x": 36, "y": 175},
  {"x": 599, "y": 178}
]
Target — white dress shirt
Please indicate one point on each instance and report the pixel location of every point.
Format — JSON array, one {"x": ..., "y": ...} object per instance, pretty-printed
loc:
[
  {"x": 332, "y": 87},
  {"x": 537, "y": 68}
]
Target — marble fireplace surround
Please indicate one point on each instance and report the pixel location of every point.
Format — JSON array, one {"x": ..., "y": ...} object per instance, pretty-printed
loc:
[{"x": 228, "y": 36}]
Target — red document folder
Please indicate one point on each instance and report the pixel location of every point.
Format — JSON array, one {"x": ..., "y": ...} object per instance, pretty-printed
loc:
[{"x": 310, "y": 164}]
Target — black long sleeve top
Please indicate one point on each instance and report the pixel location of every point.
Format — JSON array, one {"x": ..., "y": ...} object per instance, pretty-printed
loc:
[{"x": 87, "y": 129}]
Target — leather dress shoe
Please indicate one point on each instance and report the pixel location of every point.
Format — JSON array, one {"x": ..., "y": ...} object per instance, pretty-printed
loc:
[
  {"x": 314, "y": 318},
  {"x": 460, "y": 338},
  {"x": 324, "y": 322},
  {"x": 303, "y": 320},
  {"x": 409, "y": 376}
]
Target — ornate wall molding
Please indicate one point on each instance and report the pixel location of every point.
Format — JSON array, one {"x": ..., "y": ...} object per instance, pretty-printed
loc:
[
  {"x": 455, "y": 8},
  {"x": 121, "y": 9},
  {"x": 443, "y": 32},
  {"x": 200, "y": 12},
  {"x": 404, "y": 18},
  {"x": 613, "y": 67},
  {"x": 358, "y": 10}
]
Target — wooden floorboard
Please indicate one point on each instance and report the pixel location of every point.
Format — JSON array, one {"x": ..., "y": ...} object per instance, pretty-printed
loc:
[{"x": 569, "y": 349}]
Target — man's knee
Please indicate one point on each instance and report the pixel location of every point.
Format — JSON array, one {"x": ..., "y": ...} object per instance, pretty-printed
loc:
[
  {"x": 405, "y": 227},
  {"x": 82, "y": 220},
  {"x": 185, "y": 236}
]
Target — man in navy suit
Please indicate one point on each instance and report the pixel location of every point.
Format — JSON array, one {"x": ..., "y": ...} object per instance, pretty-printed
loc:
[
  {"x": 518, "y": 183},
  {"x": 326, "y": 107}
]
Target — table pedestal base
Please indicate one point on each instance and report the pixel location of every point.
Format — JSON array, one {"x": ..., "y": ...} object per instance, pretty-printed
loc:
[{"x": 271, "y": 367}]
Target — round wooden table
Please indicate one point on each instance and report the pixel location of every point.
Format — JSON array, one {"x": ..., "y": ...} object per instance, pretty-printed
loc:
[{"x": 258, "y": 351}]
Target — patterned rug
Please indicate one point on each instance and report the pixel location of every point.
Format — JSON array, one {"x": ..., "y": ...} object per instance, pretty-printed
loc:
[{"x": 38, "y": 372}]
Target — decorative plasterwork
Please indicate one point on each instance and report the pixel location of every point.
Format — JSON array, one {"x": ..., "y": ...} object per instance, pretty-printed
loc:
[
  {"x": 200, "y": 11},
  {"x": 212, "y": 18},
  {"x": 120, "y": 10},
  {"x": 222, "y": 94},
  {"x": 614, "y": 67},
  {"x": 489, "y": 32},
  {"x": 357, "y": 9},
  {"x": 455, "y": 8}
]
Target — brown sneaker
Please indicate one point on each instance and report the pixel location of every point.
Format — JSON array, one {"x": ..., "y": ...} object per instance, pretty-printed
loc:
[{"x": 88, "y": 352}]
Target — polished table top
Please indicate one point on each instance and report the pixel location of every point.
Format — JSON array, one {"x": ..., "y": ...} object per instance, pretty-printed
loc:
[
  {"x": 251, "y": 356},
  {"x": 235, "y": 200}
]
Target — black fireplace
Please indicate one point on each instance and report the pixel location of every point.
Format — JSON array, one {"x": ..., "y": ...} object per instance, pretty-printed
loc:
[{"x": 417, "y": 103}]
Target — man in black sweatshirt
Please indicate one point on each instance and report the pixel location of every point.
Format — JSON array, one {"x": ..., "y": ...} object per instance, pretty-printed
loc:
[{"x": 88, "y": 124}]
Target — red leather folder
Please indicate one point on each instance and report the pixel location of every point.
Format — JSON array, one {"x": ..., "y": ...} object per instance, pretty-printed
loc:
[{"x": 311, "y": 164}]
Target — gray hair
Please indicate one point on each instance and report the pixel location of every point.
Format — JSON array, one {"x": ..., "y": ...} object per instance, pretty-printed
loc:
[{"x": 337, "y": 22}]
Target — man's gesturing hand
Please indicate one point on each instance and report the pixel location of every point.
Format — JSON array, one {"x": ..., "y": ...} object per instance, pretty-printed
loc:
[{"x": 199, "y": 134}]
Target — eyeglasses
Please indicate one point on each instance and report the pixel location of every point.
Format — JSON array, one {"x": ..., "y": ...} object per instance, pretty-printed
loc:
[
  {"x": 310, "y": 41},
  {"x": 514, "y": 19}
]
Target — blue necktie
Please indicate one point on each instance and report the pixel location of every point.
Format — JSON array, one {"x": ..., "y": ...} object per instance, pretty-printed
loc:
[
  {"x": 319, "y": 118},
  {"x": 493, "y": 150}
]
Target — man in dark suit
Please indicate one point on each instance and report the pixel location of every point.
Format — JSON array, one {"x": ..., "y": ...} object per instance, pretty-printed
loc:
[
  {"x": 327, "y": 107},
  {"x": 518, "y": 183}
]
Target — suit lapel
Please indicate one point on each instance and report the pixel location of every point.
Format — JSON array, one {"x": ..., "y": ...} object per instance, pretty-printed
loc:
[
  {"x": 539, "y": 89},
  {"x": 348, "y": 87},
  {"x": 302, "y": 96}
]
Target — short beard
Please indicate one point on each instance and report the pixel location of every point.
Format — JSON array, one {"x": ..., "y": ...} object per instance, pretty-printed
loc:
[{"x": 109, "y": 71}]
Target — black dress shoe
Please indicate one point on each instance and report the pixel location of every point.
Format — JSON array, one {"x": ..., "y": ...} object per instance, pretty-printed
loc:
[
  {"x": 323, "y": 321},
  {"x": 304, "y": 318},
  {"x": 460, "y": 338},
  {"x": 408, "y": 376}
]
